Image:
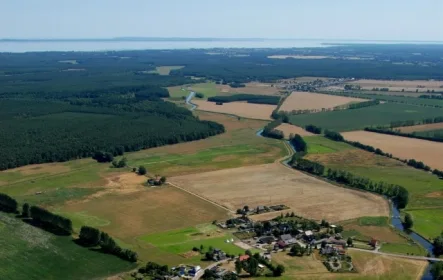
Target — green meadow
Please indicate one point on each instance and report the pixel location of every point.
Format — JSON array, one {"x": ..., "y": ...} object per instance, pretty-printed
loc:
[{"x": 32, "y": 253}]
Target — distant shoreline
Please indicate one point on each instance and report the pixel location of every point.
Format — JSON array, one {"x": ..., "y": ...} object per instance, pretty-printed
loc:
[{"x": 208, "y": 39}]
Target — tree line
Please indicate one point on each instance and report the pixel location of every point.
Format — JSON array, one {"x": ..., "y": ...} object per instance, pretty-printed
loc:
[
  {"x": 363, "y": 104},
  {"x": 250, "y": 98},
  {"x": 8, "y": 204},
  {"x": 270, "y": 131},
  {"x": 92, "y": 237},
  {"x": 299, "y": 143},
  {"x": 398, "y": 194},
  {"x": 46, "y": 219},
  {"x": 403, "y": 134},
  {"x": 313, "y": 129}
]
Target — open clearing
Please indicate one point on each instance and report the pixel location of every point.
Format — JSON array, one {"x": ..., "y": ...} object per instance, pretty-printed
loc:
[
  {"x": 165, "y": 70},
  {"x": 357, "y": 119},
  {"x": 252, "y": 88},
  {"x": 241, "y": 109},
  {"x": 421, "y": 127},
  {"x": 428, "y": 152},
  {"x": 315, "y": 101},
  {"x": 273, "y": 184},
  {"x": 289, "y": 129},
  {"x": 411, "y": 86}
]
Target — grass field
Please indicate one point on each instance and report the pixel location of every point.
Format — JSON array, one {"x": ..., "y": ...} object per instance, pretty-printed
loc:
[
  {"x": 365, "y": 228},
  {"x": 273, "y": 184},
  {"x": 31, "y": 253},
  {"x": 182, "y": 241},
  {"x": 383, "y": 114},
  {"x": 322, "y": 145},
  {"x": 429, "y": 221},
  {"x": 209, "y": 89}
]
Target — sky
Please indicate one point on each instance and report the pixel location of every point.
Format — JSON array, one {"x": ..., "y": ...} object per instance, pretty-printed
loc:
[{"x": 420, "y": 20}]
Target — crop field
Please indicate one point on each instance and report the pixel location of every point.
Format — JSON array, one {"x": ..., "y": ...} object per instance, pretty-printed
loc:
[
  {"x": 241, "y": 109},
  {"x": 422, "y": 128},
  {"x": 165, "y": 70},
  {"x": 289, "y": 129},
  {"x": 357, "y": 119},
  {"x": 428, "y": 152},
  {"x": 373, "y": 266},
  {"x": 273, "y": 184},
  {"x": 315, "y": 101},
  {"x": 411, "y": 86},
  {"x": 25, "y": 248}
]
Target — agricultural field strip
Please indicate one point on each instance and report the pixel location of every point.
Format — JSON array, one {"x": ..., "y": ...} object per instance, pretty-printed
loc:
[
  {"x": 398, "y": 255},
  {"x": 180, "y": 157}
]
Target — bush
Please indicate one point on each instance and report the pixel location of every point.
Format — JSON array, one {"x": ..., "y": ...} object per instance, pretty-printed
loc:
[{"x": 142, "y": 170}]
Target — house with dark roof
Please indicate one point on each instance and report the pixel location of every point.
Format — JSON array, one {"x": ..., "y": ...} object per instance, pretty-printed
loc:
[{"x": 266, "y": 239}]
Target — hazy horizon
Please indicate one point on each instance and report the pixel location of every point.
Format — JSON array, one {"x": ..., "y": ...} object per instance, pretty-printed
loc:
[{"x": 376, "y": 20}]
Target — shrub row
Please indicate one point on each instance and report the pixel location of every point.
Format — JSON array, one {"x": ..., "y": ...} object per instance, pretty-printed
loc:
[
  {"x": 47, "y": 218},
  {"x": 8, "y": 204}
]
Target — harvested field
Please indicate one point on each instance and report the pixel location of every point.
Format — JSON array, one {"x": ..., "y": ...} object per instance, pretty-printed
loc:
[
  {"x": 315, "y": 101},
  {"x": 428, "y": 152},
  {"x": 386, "y": 267},
  {"x": 241, "y": 109},
  {"x": 288, "y": 129},
  {"x": 165, "y": 70},
  {"x": 421, "y": 127},
  {"x": 411, "y": 86},
  {"x": 147, "y": 210},
  {"x": 275, "y": 184}
]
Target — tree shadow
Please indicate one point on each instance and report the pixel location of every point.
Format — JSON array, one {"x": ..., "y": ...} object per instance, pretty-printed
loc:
[{"x": 47, "y": 227}]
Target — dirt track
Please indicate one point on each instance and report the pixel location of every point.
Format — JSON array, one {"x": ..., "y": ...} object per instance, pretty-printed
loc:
[
  {"x": 431, "y": 153},
  {"x": 314, "y": 101},
  {"x": 273, "y": 184}
]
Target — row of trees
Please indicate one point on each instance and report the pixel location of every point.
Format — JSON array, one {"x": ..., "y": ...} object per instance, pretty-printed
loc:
[
  {"x": 270, "y": 131},
  {"x": 398, "y": 194},
  {"x": 93, "y": 237},
  {"x": 413, "y": 122},
  {"x": 403, "y": 134},
  {"x": 313, "y": 129},
  {"x": 250, "y": 98},
  {"x": 8, "y": 204},
  {"x": 363, "y": 104},
  {"x": 48, "y": 219}
]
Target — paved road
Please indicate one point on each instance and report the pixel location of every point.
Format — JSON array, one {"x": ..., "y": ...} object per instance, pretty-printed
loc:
[
  {"x": 398, "y": 255},
  {"x": 202, "y": 271}
]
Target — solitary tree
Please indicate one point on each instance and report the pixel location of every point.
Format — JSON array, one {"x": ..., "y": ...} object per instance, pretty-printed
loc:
[
  {"x": 252, "y": 266},
  {"x": 349, "y": 241},
  {"x": 142, "y": 170},
  {"x": 408, "y": 223},
  {"x": 278, "y": 271}
]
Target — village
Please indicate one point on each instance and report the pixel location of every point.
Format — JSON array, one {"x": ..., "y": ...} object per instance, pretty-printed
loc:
[{"x": 287, "y": 234}]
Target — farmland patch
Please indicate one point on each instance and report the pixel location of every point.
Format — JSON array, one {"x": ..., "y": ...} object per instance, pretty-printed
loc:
[{"x": 315, "y": 101}]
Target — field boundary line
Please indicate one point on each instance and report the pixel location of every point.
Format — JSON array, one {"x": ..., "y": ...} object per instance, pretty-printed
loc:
[{"x": 201, "y": 197}]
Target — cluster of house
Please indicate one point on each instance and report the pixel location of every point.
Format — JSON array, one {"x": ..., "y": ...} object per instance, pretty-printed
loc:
[
  {"x": 313, "y": 85},
  {"x": 185, "y": 271}
]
